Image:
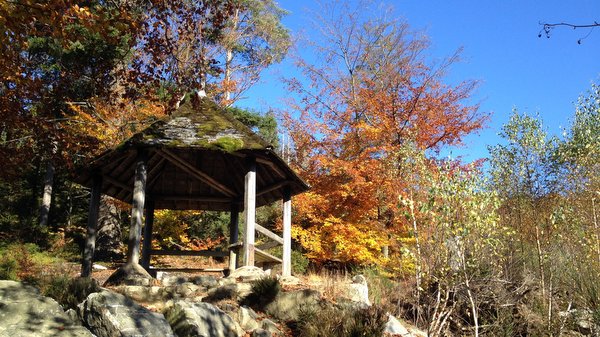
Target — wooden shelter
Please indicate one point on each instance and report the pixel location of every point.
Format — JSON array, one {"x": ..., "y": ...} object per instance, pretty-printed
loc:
[{"x": 199, "y": 158}]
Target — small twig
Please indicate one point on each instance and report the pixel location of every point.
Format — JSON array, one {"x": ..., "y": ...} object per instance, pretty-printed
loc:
[{"x": 547, "y": 28}]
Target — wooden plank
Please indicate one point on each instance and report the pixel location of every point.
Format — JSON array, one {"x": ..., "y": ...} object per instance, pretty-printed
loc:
[
  {"x": 236, "y": 245},
  {"x": 92, "y": 223},
  {"x": 191, "y": 270},
  {"x": 208, "y": 253},
  {"x": 262, "y": 256},
  {"x": 269, "y": 234},
  {"x": 196, "y": 173},
  {"x": 199, "y": 198}
]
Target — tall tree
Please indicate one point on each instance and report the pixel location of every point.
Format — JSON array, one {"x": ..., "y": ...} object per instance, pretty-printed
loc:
[
  {"x": 253, "y": 39},
  {"x": 523, "y": 174},
  {"x": 579, "y": 158},
  {"x": 370, "y": 92}
]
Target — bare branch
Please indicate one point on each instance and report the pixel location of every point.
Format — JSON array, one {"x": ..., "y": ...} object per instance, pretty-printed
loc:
[{"x": 548, "y": 27}]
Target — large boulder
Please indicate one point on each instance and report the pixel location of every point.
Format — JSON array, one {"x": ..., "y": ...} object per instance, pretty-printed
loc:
[
  {"x": 395, "y": 328},
  {"x": 108, "y": 314},
  {"x": 247, "y": 274},
  {"x": 358, "y": 290},
  {"x": 287, "y": 306},
  {"x": 24, "y": 312},
  {"x": 200, "y": 320},
  {"x": 131, "y": 274},
  {"x": 247, "y": 318}
]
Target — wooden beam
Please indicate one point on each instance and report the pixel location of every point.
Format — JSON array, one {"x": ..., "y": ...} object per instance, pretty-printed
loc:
[
  {"x": 92, "y": 223},
  {"x": 137, "y": 209},
  {"x": 234, "y": 217},
  {"x": 272, "y": 165},
  {"x": 127, "y": 161},
  {"x": 190, "y": 270},
  {"x": 212, "y": 253},
  {"x": 263, "y": 256},
  {"x": 200, "y": 198},
  {"x": 117, "y": 183},
  {"x": 196, "y": 172},
  {"x": 273, "y": 187},
  {"x": 286, "y": 269},
  {"x": 152, "y": 175},
  {"x": 116, "y": 163},
  {"x": 269, "y": 234},
  {"x": 249, "y": 212},
  {"x": 147, "y": 246}
]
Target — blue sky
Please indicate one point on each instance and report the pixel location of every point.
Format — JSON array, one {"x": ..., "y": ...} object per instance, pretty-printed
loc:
[{"x": 501, "y": 49}]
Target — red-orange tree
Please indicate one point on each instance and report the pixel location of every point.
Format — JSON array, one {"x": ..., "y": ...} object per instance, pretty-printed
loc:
[{"x": 372, "y": 96}]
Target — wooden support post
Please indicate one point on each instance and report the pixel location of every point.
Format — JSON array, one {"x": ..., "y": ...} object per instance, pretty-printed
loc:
[
  {"x": 287, "y": 233},
  {"x": 249, "y": 212},
  {"x": 233, "y": 236},
  {"x": 147, "y": 246},
  {"x": 92, "y": 223},
  {"x": 137, "y": 209}
]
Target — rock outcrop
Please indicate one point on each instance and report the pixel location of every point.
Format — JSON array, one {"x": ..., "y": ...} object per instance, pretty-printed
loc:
[
  {"x": 26, "y": 313},
  {"x": 131, "y": 274},
  {"x": 358, "y": 291},
  {"x": 108, "y": 314},
  {"x": 200, "y": 319}
]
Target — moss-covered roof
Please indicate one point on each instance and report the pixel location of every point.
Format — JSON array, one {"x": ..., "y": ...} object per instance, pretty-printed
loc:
[
  {"x": 200, "y": 123},
  {"x": 197, "y": 158}
]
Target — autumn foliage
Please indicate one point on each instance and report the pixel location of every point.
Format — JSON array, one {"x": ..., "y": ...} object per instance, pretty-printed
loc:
[{"x": 373, "y": 97}]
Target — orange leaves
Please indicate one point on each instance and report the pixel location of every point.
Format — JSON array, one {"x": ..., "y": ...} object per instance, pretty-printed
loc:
[{"x": 372, "y": 97}]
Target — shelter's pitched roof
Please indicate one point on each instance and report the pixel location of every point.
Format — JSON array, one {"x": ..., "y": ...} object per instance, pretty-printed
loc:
[
  {"x": 196, "y": 159},
  {"x": 200, "y": 123}
]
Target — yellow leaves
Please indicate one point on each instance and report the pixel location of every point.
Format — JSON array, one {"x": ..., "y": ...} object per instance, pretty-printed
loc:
[{"x": 335, "y": 239}]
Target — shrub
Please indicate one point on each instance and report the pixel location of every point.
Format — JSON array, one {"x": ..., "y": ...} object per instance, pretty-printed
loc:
[
  {"x": 69, "y": 292},
  {"x": 8, "y": 268},
  {"x": 299, "y": 262},
  {"x": 334, "y": 321},
  {"x": 25, "y": 262},
  {"x": 264, "y": 291}
]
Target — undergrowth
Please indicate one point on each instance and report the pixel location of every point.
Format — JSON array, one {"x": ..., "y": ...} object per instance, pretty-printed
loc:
[
  {"x": 264, "y": 291},
  {"x": 69, "y": 292},
  {"x": 335, "y": 321}
]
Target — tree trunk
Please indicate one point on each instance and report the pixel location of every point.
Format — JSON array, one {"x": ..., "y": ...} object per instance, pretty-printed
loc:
[
  {"x": 229, "y": 57},
  {"x": 47, "y": 195},
  {"x": 595, "y": 219},
  {"x": 418, "y": 259},
  {"x": 137, "y": 210}
]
